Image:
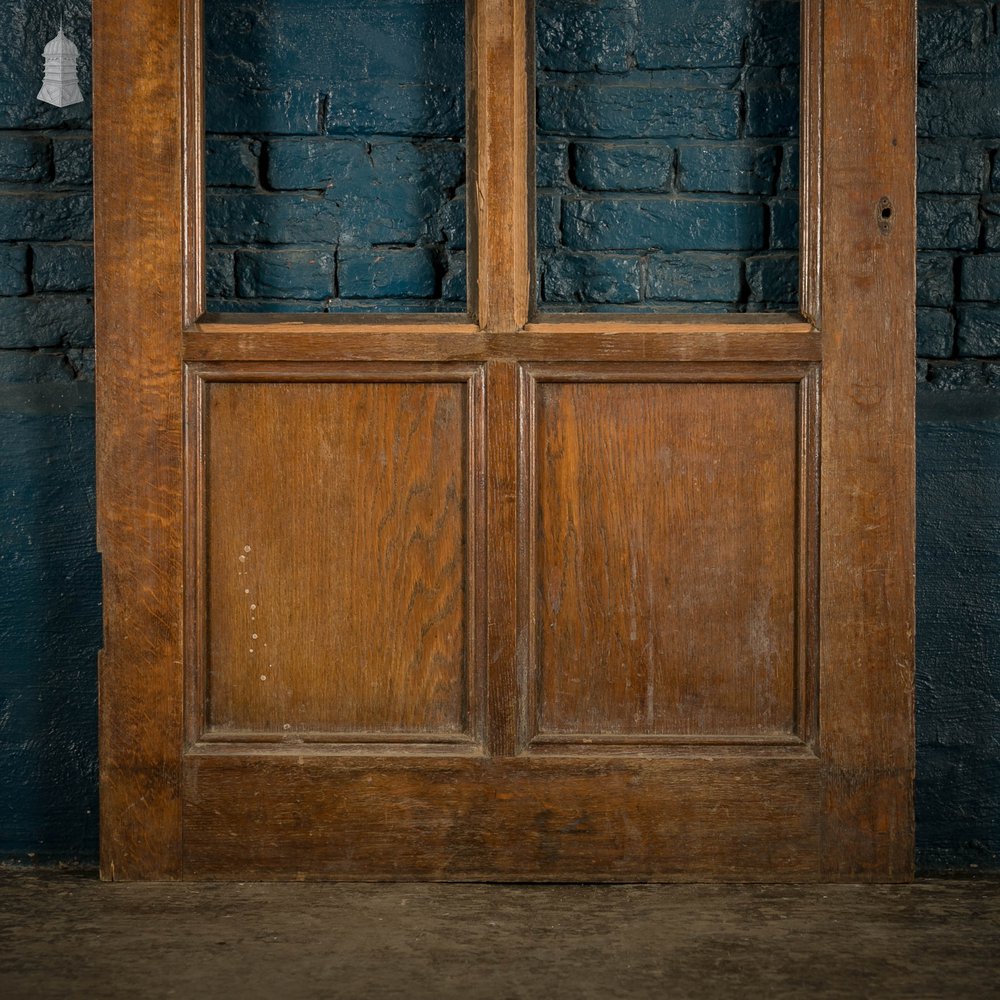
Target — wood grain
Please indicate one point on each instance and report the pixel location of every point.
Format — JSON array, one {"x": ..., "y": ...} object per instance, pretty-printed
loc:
[
  {"x": 867, "y": 289},
  {"x": 137, "y": 240},
  {"x": 665, "y": 570},
  {"x": 521, "y": 819},
  {"x": 340, "y": 567}
]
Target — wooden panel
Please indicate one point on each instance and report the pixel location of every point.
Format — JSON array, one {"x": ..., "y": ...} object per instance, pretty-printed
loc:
[
  {"x": 665, "y": 572},
  {"x": 867, "y": 289},
  {"x": 137, "y": 239},
  {"x": 533, "y": 819},
  {"x": 341, "y": 554}
]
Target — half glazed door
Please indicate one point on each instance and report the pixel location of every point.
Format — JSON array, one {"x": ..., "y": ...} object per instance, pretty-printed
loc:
[{"x": 507, "y": 595}]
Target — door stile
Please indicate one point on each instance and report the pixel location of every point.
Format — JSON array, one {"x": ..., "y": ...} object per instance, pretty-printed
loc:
[
  {"x": 867, "y": 288},
  {"x": 138, "y": 301},
  {"x": 501, "y": 162}
]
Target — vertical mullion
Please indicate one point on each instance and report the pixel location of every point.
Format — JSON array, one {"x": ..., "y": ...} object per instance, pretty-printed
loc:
[{"x": 500, "y": 60}]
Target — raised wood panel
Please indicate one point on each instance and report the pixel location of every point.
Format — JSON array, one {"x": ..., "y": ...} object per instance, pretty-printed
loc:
[
  {"x": 339, "y": 520},
  {"x": 523, "y": 818},
  {"x": 665, "y": 590}
]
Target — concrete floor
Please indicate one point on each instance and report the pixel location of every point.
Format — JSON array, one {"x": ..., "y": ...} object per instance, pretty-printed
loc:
[{"x": 69, "y": 936}]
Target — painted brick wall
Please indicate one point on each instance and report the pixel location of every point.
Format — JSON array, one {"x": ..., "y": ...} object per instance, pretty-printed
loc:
[
  {"x": 667, "y": 154},
  {"x": 401, "y": 143}
]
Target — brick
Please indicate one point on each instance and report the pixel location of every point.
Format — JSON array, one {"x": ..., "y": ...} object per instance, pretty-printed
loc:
[
  {"x": 574, "y": 37},
  {"x": 773, "y": 34},
  {"x": 229, "y": 109},
  {"x": 638, "y": 110},
  {"x": 231, "y": 162},
  {"x": 956, "y": 38},
  {"x": 773, "y": 111},
  {"x": 14, "y": 270},
  {"x": 73, "y": 160},
  {"x": 313, "y": 164},
  {"x": 951, "y": 168},
  {"x": 45, "y": 216},
  {"x": 63, "y": 268},
  {"x": 580, "y": 277},
  {"x": 978, "y": 333},
  {"x": 947, "y": 223},
  {"x": 935, "y": 333},
  {"x": 284, "y": 274},
  {"x": 268, "y": 305},
  {"x": 788, "y": 179},
  {"x": 551, "y": 164},
  {"x": 454, "y": 282},
  {"x": 935, "y": 279},
  {"x": 39, "y": 321},
  {"x": 387, "y": 107},
  {"x": 220, "y": 274},
  {"x": 693, "y": 277},
  {"x": 548, "y": 225},
  {"x": 736, "y": 169},
  {"x": 774, "y": 279},
  {"x": 450, "y": 222},
  {"x": 696, "y": 33},
  {"x": 25, "y": 158},
  {"x": 990, "y": 208},
  {"x": 241, "y": 219},
  {"x": 609, "y": 167},
  {"x": 671, "y": 224},
  {"x": 964, "y": 108},
  {"x": 995, "y": 173},
  {"x": 979, "y": 278},
  {"x": 34, "y": 366},
  {"x": 784, "y": 223},
  {"x": 372, "y": 274}
]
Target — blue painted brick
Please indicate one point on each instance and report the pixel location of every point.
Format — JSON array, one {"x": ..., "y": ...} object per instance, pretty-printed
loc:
[
  {"x": 41, "y": 321},
  {"x": 935, "y": 279},
  {"x": 548, "y": 225},
  {"x": 73, "y": 161},
  {"x": 951, "y": 167},
  {"x": 454, "y": 282},
  {"x": 956, "y": 37},
  {"x": 990, "y": 208},
  {"x": 62, "y": 268},
  {"x": 53, "y": 217},
  {"x": 947, "y": 223},
  {"x": 551, "y": 164},
  {"x": 773, "y": 33},
  {"x": 693, "y": 277},
  {"x": 18, "y": 366},
  {"x": 582, "y": 277},
  {"x": 699, "y": 33},
  {"x": 268, "y": 305},
  {"x": 790, "y": 168},
  {"x": 14, "y": 270},
  {"x": 371, "y": 274},
  {"x": 25, "y": 158},
  {"x": 284, "y": 274},
  {"x": 617, "y": 167},
  {"x": 964, "y": 107},
  {"x": 450, "y": 222},
  {"x": 241, "y": 219},
  {"x": 784, "y": 223},
  {"x": 995, "y": 174},
  {"x": 295, "y": 111},
  {"x": 774, "y": 278},
  {"x": 575, "y": 37},
  {"x": 305, "y": 164},
  {"x": 979, "y": 278},
  {"x": 231, "y": 162},
  {"x": 611, "y": 111},
  {"x": 773, "y": 110},
  {"x": 220, "y": 274},
  {"x": 736, "y": 169},
  {"x": 935, "y": 333},
  {"x": 377, "y": 107},
  {"x": 978, "y": 333},
  {"x": 672, "y": 224}
]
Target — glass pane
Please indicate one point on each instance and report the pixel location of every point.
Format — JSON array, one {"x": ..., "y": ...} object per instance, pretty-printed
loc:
[
  {"x": 335, "y": 155},
  {"x": 668, "y": 155}
]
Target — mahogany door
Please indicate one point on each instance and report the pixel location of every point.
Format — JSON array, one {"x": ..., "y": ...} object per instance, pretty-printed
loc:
[{"x": 507, "y": 596}]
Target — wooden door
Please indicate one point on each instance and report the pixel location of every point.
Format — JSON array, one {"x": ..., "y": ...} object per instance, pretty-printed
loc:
[{"x": 507, "y": 596}]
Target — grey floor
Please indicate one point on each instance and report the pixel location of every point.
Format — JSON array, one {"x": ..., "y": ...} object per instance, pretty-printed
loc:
[{"x": 71, "y": 936}]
